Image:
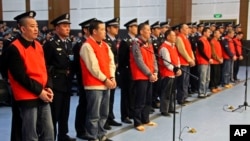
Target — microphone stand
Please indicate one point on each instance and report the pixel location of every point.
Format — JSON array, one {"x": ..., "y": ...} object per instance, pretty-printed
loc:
[
  {"x": 195, "y": 77},
  {"x": 245, "y": 104}
]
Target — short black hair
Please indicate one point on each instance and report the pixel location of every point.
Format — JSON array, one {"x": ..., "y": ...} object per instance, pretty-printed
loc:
[
  {"x": 205, "y": 29},
  {"x": 141, "y": 26},
  {"x": 94, "y": 25},
  {"x": 167, "y": 33},
  {"x": 239, "y": 33}
]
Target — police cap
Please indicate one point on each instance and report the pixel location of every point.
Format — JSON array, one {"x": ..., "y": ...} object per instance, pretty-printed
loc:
[
  {"x": 113, "y": 22},
  {"x": 237, "y": 25},
  {"x": 85, "y": 24},
  {"x": 61, "y": 19},
  {"x": 164, "y": 24},
  {"x": 155, "y": 25},
  {"x": 146, "y": 22},
  {"x": 131, "y": 23}
]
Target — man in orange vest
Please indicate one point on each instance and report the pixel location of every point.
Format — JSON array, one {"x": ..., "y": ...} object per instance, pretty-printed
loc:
[
  {"x": 144, "y": 72},
  {"x": 187, "y": 60},
  {"x": 216, "y": 50},
  {"x": 28, "y": 78},
  {"x": 238, "y": 49},
  {"x": 203, "y": 56},
  {"x": 82, "y": 102},
  {"x": 168, "y": 72},
  {"x": 228, "y": 53},
  {"x": 98, "y": 77}
]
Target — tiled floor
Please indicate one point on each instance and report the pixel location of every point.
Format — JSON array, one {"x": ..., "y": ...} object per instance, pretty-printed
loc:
[{"x": 209, "y": 117}]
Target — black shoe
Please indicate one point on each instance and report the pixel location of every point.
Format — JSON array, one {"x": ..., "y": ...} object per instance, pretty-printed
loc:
[
  {"x": 107, "y": 126},
  {"x": 66, "y": 138},
  {"x": 172, "y": 111},
  {"x": 127, "y": 120},
  {"x": 165, "y": 114},
  {"x": 114, "y": 123}
]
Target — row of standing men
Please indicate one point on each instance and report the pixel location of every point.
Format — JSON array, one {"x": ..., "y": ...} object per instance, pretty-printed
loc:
[{"x": 61, "y": 60}]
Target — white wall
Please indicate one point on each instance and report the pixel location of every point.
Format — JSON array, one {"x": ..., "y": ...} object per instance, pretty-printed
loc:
[
  {"x": 152, "y": 10},
  {"x": 81, "y": 10},
  {"x": 12, "y": 8},
  {"x": 205, "y": 9},
  {"x": 41, "y": 8}
]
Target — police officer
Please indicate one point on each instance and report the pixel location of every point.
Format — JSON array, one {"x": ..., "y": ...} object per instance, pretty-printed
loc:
[
  {"x": 126, "y": 83},
  {"x": 164, "y": 27},
  {"x": 156, "y": 42},
  {"x": 112, "y": 28},
  {"x": 58, "y": 55},
  {"x": 82, "y": 103}
]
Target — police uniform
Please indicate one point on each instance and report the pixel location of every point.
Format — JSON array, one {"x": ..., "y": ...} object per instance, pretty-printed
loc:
[
  {"x": 58, "y": 55},
  {"x": 163, "y": 25},
  {"x": 126, "y": 83},
  {"x": 82, "y": 103},
  {"x": 156, "y": 42},
  {"x": 193, "y": 38},
  {"x": 113, "y": 44}
]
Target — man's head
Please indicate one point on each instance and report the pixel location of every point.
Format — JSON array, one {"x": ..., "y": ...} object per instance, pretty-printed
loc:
[
  {"x": 217, "y": 34},
  {"x": 132, "y": 26},
  {"x": 28, "y": 25},
  {"x": 239, "y": 35},
  {"x": 230, "y": 33},
  {"x": 112, "y": 26},
  {"x": 156, "y": 29},
  {"x": 85, "y": 26},
  {"x": 62, "y": 25},
  {"x": 170, "y": 36},
  {"x": 206, "y": 32},
  {"x": 97, "y": 30},
  {"x": 184, "y": 29},
  {"x": 144, "y": 31}
]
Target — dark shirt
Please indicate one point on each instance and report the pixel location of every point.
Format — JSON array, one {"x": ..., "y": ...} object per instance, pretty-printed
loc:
[{"x": 200, "y": 47}]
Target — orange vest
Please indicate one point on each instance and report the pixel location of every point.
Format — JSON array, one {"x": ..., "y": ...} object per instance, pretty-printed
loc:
[
  {"x": 148, "y": 59},
  {"x": 231, "y": 48},
  {"x": 188, "y": 48},
  {"x": 218, "y": 50},
  {"x": 238, "y": 46},
  {"x": 102, "y": 55},
  {"x": 207, "y": 51},
  {"x": 33, "y": 59},
  {"x": 164, "y": 71}
]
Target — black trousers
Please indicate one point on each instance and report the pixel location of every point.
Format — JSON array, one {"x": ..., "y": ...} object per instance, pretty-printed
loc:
[
  {"x": 193, "y": 82},
  {"x": 81, "y": 112},
  {"x": 156, "y": 91},
  {"x": 60, "y": 113},
  {"x": 166, "y": 94},
  {"x": 127, "y": 94},
  {"x": 143, "y": 98},
  {"x": 215, "y": 75},
  {"x": 182, "y": 85},
  {"x": 236, "y": 69},
  {"x": 16, "y": 122}
]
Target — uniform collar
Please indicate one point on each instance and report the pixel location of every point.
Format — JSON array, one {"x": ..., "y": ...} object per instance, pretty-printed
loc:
[
  {"x": 26, "y": 43},
  {"x": 111, "y": 37}
]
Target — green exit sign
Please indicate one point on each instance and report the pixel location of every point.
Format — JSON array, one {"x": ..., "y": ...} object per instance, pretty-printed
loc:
[{"x": 217, "y": 15}]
